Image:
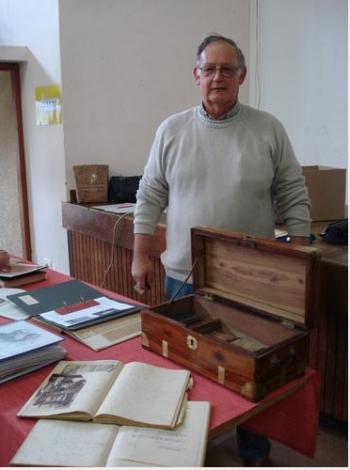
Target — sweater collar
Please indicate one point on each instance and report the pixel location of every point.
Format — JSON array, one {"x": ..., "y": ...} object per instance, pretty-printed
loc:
[{"x": 230, "y": 114}]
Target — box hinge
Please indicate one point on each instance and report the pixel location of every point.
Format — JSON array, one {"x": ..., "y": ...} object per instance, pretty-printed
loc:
[
  {"x": 288, "y": 323},
  {"x": 207, "y": 297}
]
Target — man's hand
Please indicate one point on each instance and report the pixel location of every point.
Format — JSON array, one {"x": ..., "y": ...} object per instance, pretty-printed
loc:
[{"x": 141, "y": 268}]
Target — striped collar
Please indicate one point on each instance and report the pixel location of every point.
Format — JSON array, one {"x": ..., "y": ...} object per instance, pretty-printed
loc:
[{"x": 226, "y": 116}]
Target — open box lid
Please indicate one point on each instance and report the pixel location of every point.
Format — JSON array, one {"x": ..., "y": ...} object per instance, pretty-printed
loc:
[{"x": 274, "y": 278}]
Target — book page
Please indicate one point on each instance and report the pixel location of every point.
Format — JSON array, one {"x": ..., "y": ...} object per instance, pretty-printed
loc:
[
  {"x": 145, "y": 394},
  {"x": 73, "y": 387},
  {"x": 66, "y": 443},
  {"x": 104, "y": 335},
  {"x": 184, "y": 446}
]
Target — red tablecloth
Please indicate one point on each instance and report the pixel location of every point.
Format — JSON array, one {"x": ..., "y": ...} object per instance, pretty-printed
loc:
[{"x": 289, "y": 415}]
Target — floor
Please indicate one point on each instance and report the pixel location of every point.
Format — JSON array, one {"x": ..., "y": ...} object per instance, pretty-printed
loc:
[{"x": 332, "y": 450}]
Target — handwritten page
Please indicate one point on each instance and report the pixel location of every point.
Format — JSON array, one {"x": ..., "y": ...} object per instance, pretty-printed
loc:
[{"x": 184, "y": 446}]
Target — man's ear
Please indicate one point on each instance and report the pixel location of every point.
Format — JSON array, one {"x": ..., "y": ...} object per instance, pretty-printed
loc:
[
  {"x": 196, "y": 75},
  {"x": 242, "y": 75}
]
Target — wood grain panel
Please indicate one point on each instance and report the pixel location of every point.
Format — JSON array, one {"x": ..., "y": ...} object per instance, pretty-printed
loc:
[{"x": 90, "y": 259}]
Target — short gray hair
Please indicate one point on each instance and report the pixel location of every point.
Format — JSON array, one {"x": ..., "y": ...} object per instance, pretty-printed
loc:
[{"x": 216, "y": 38}]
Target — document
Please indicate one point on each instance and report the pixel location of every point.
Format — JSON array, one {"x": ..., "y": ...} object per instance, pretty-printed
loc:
[
  {"x": 86, "y": 313},
  {"x": 104, "y": 335},
  {"x": 60, "y": 443},
  {"x": 7, "y": 308},
  {"x": 110, "y": 392},
  {"x": 121, "y": 208}
]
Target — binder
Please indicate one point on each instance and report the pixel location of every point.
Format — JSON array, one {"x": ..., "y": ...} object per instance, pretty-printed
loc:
[{"x": 71, "y": 297}]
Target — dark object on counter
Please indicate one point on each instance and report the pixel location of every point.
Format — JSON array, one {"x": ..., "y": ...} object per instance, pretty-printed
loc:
[
  {"x": 123, "y": 189},
  {"x": 336, "y": 233}
]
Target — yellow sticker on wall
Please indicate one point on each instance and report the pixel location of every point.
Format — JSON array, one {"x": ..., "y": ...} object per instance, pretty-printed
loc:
[{"x": 48, "y": 105}]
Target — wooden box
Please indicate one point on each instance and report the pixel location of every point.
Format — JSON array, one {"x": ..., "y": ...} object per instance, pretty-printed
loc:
[
  {"x": 245, "y": 327},
  {"x": 92, "y": 183}
]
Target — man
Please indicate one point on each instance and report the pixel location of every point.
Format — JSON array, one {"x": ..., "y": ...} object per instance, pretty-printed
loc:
[{"x": 221, "y": 164}]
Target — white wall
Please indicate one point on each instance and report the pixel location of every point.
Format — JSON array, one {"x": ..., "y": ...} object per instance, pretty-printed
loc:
[
  {"x": 34, "y": 23},
  {"x": 126, "y": 65},
  {"x": 299, "y": 59}
]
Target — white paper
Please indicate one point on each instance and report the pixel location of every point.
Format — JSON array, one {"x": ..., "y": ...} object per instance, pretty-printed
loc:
[
  {"x": 7, "y": 308},
  {"x": 104, "y": 307},
  {"x": 122, "y": 208}
]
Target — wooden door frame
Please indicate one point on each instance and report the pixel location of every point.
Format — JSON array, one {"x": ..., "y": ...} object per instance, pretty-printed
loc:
[{"x": 13, "y": 68}]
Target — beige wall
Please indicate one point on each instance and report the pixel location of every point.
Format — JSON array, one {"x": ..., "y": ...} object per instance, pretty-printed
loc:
[
  {"x": 126, "y": 65},
  {"x": 10, "y": 228},
  {"x": 302, "y": 77}
]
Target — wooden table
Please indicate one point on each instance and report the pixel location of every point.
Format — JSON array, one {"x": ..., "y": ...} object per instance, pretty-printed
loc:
[{"x": 90, "y": 240}]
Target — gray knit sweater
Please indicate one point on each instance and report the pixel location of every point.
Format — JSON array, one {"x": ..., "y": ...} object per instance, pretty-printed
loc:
[{"x": 220, "y": 173}]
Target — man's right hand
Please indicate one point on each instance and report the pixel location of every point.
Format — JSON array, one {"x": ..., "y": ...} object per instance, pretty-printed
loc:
[{"x": 142, "y": 268}]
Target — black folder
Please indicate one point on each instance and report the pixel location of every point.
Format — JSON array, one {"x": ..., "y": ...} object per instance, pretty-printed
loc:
[{"x": 62, "y": 296}]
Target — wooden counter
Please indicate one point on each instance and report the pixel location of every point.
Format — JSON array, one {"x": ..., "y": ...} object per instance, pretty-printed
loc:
[{"x": 92, "y": 233}]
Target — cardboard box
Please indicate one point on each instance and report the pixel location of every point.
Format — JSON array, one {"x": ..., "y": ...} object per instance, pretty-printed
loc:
[{"x": 326, "y": 187}]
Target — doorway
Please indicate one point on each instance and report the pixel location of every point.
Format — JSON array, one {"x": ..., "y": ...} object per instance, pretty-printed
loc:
[{"x": 14, "y": 216}]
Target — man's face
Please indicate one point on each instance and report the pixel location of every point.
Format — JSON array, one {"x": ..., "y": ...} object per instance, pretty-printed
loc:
[{"x": 219, "y": 77}]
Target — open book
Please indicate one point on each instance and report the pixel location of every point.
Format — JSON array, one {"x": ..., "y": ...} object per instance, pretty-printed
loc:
[
  {"x": 64, "y": 443},
  {"x": 113, "y": 393}
]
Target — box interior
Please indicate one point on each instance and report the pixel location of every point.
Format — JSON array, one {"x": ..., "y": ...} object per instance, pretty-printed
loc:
[{"x": 229, "y": 324}]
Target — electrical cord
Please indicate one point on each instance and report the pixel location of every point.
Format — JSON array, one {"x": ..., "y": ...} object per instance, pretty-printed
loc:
[
  {"x": 184, "y": 282},
  {"x": 114, "y": 241}
]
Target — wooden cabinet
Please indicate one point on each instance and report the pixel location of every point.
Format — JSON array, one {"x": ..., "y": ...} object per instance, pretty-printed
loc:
[
  {"x": 92, "y": 234},
  {"x": 100, "y": 251}
]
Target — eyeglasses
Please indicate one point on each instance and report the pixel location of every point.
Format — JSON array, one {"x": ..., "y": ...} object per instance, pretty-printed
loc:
[{"x": 225, "y": 70}]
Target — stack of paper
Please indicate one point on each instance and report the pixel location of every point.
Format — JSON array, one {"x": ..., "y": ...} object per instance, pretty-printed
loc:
[{"x": 25, "y": 347}]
